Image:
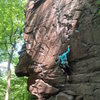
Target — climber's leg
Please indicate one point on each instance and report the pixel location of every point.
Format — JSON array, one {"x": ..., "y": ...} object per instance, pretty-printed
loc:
[{"x": 66, "y": 70}]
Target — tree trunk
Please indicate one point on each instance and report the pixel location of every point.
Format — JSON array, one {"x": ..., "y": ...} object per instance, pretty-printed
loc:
[
  {"x": 9, "y": 74},
  {"x": 52, "y": 25}
]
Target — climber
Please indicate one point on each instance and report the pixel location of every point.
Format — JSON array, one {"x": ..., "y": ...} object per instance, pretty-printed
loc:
[
  {"x": 63, "y": 58},
  {"x": 63, "y": 62}
]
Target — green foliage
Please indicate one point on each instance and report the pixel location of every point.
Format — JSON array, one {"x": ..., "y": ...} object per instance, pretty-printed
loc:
[
  {"x": 2, "y": 88},
  {"x": 11, "y": 24},
  {"x": 11, "y": 27},
  {"x": 18, "y": 90}
]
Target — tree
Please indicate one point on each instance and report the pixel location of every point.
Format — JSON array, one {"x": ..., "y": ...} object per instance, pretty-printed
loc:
[{"x": 11, "y": 24}]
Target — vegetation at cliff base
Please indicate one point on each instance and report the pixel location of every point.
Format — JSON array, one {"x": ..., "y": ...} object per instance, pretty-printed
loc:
[{"x": 12, "y": 19}]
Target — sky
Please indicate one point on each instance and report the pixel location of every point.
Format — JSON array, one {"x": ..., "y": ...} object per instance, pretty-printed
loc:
[{"x": 3, "y": 67}]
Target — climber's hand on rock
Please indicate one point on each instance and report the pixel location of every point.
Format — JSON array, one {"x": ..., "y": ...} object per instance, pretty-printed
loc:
[{"x": 68, "y": 46}]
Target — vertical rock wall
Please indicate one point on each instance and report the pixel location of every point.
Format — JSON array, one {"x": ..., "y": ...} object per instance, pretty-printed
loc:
[{"x": 52, "y": 25}]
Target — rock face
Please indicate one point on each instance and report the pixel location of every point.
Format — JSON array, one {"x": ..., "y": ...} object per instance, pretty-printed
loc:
[{"x": 51, "y": 25}]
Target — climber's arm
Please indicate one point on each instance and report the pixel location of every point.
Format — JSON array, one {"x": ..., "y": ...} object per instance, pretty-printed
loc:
[{"x": 68, "y": 50}]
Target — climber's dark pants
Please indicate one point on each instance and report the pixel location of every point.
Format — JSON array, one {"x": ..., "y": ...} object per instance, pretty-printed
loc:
[{"x": 66, "y": 68}]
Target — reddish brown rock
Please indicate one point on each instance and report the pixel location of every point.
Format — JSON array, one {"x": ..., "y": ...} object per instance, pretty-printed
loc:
[
  {"x": 40, "y": 89},
  {"x": 52, "y": 25}
]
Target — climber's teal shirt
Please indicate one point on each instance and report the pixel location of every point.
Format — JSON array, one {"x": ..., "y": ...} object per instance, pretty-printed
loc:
[{"x": 63, "y": 58}]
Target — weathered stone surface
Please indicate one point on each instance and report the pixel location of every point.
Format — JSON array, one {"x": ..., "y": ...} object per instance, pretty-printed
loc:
[
  {"x": 24, "y": 61},
  {"x": 40, "y": 89},
  {"x": 86, "y": 88},
  {"x": 89, "y": 98},
  {"x": 62, "y": 96},
  {"x": 51, "y": 25},
  {"x": 97, "y": 94},
  {"x": 79, "y": 97}
]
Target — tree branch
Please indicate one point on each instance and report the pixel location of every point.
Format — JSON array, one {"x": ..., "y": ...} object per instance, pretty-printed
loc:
[{"x": 7, "y": 47}]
